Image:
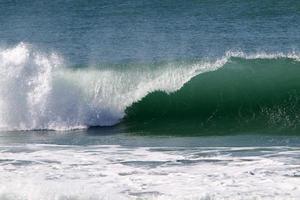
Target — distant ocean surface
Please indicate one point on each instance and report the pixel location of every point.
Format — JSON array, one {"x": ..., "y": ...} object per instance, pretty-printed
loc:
[{"x": 149, "y": 99}]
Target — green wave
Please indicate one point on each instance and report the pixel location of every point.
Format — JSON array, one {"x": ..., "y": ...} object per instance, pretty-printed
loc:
[{"x": 245, "y": 95}]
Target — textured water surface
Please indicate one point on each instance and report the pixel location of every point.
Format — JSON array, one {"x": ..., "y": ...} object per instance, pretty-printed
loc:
[{"x": 116, "y": 172}]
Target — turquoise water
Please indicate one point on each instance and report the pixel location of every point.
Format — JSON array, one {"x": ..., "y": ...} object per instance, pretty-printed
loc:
[{"x": 149, "y": 99}]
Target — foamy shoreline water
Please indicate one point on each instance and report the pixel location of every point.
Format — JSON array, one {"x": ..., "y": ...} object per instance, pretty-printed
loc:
[{"x": 40, "y": 171}]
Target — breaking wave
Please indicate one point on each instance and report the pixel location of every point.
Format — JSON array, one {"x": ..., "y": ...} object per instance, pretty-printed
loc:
[{"x": 39, "y": 91}]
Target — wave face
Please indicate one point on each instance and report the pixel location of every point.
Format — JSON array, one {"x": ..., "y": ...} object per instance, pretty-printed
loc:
[
  {"x": 37, "y": 91},
  {"x": 249, "y": 93}
]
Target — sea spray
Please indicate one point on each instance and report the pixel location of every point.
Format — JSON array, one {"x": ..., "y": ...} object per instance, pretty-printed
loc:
[{"x": 25, "y": 85}]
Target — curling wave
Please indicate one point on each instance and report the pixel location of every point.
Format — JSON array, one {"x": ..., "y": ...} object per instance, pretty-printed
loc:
[
  {"x": 38, "y": 91},
  {"x": 255, "y": 93}
]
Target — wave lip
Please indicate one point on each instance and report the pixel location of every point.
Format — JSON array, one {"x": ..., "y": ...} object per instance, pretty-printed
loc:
[{"x": 263, "y": 55}]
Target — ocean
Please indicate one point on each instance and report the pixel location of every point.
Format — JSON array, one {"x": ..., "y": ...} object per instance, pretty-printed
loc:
[{"x": 149, "y": 99}]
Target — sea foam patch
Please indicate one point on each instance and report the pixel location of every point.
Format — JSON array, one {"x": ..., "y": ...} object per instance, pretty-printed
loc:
[{"x": 116, "y": 172}]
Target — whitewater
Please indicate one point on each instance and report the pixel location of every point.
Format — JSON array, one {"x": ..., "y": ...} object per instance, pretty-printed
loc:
[{"x": 41, "y": 171}]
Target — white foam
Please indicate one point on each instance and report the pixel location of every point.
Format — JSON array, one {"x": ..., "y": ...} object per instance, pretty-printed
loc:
[
  {"x": 116, "y": 172},
  {"x": 264, "y": 55}
]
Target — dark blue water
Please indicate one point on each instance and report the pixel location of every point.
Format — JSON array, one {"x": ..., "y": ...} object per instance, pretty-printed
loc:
[{"x": 86, "y": 32}]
